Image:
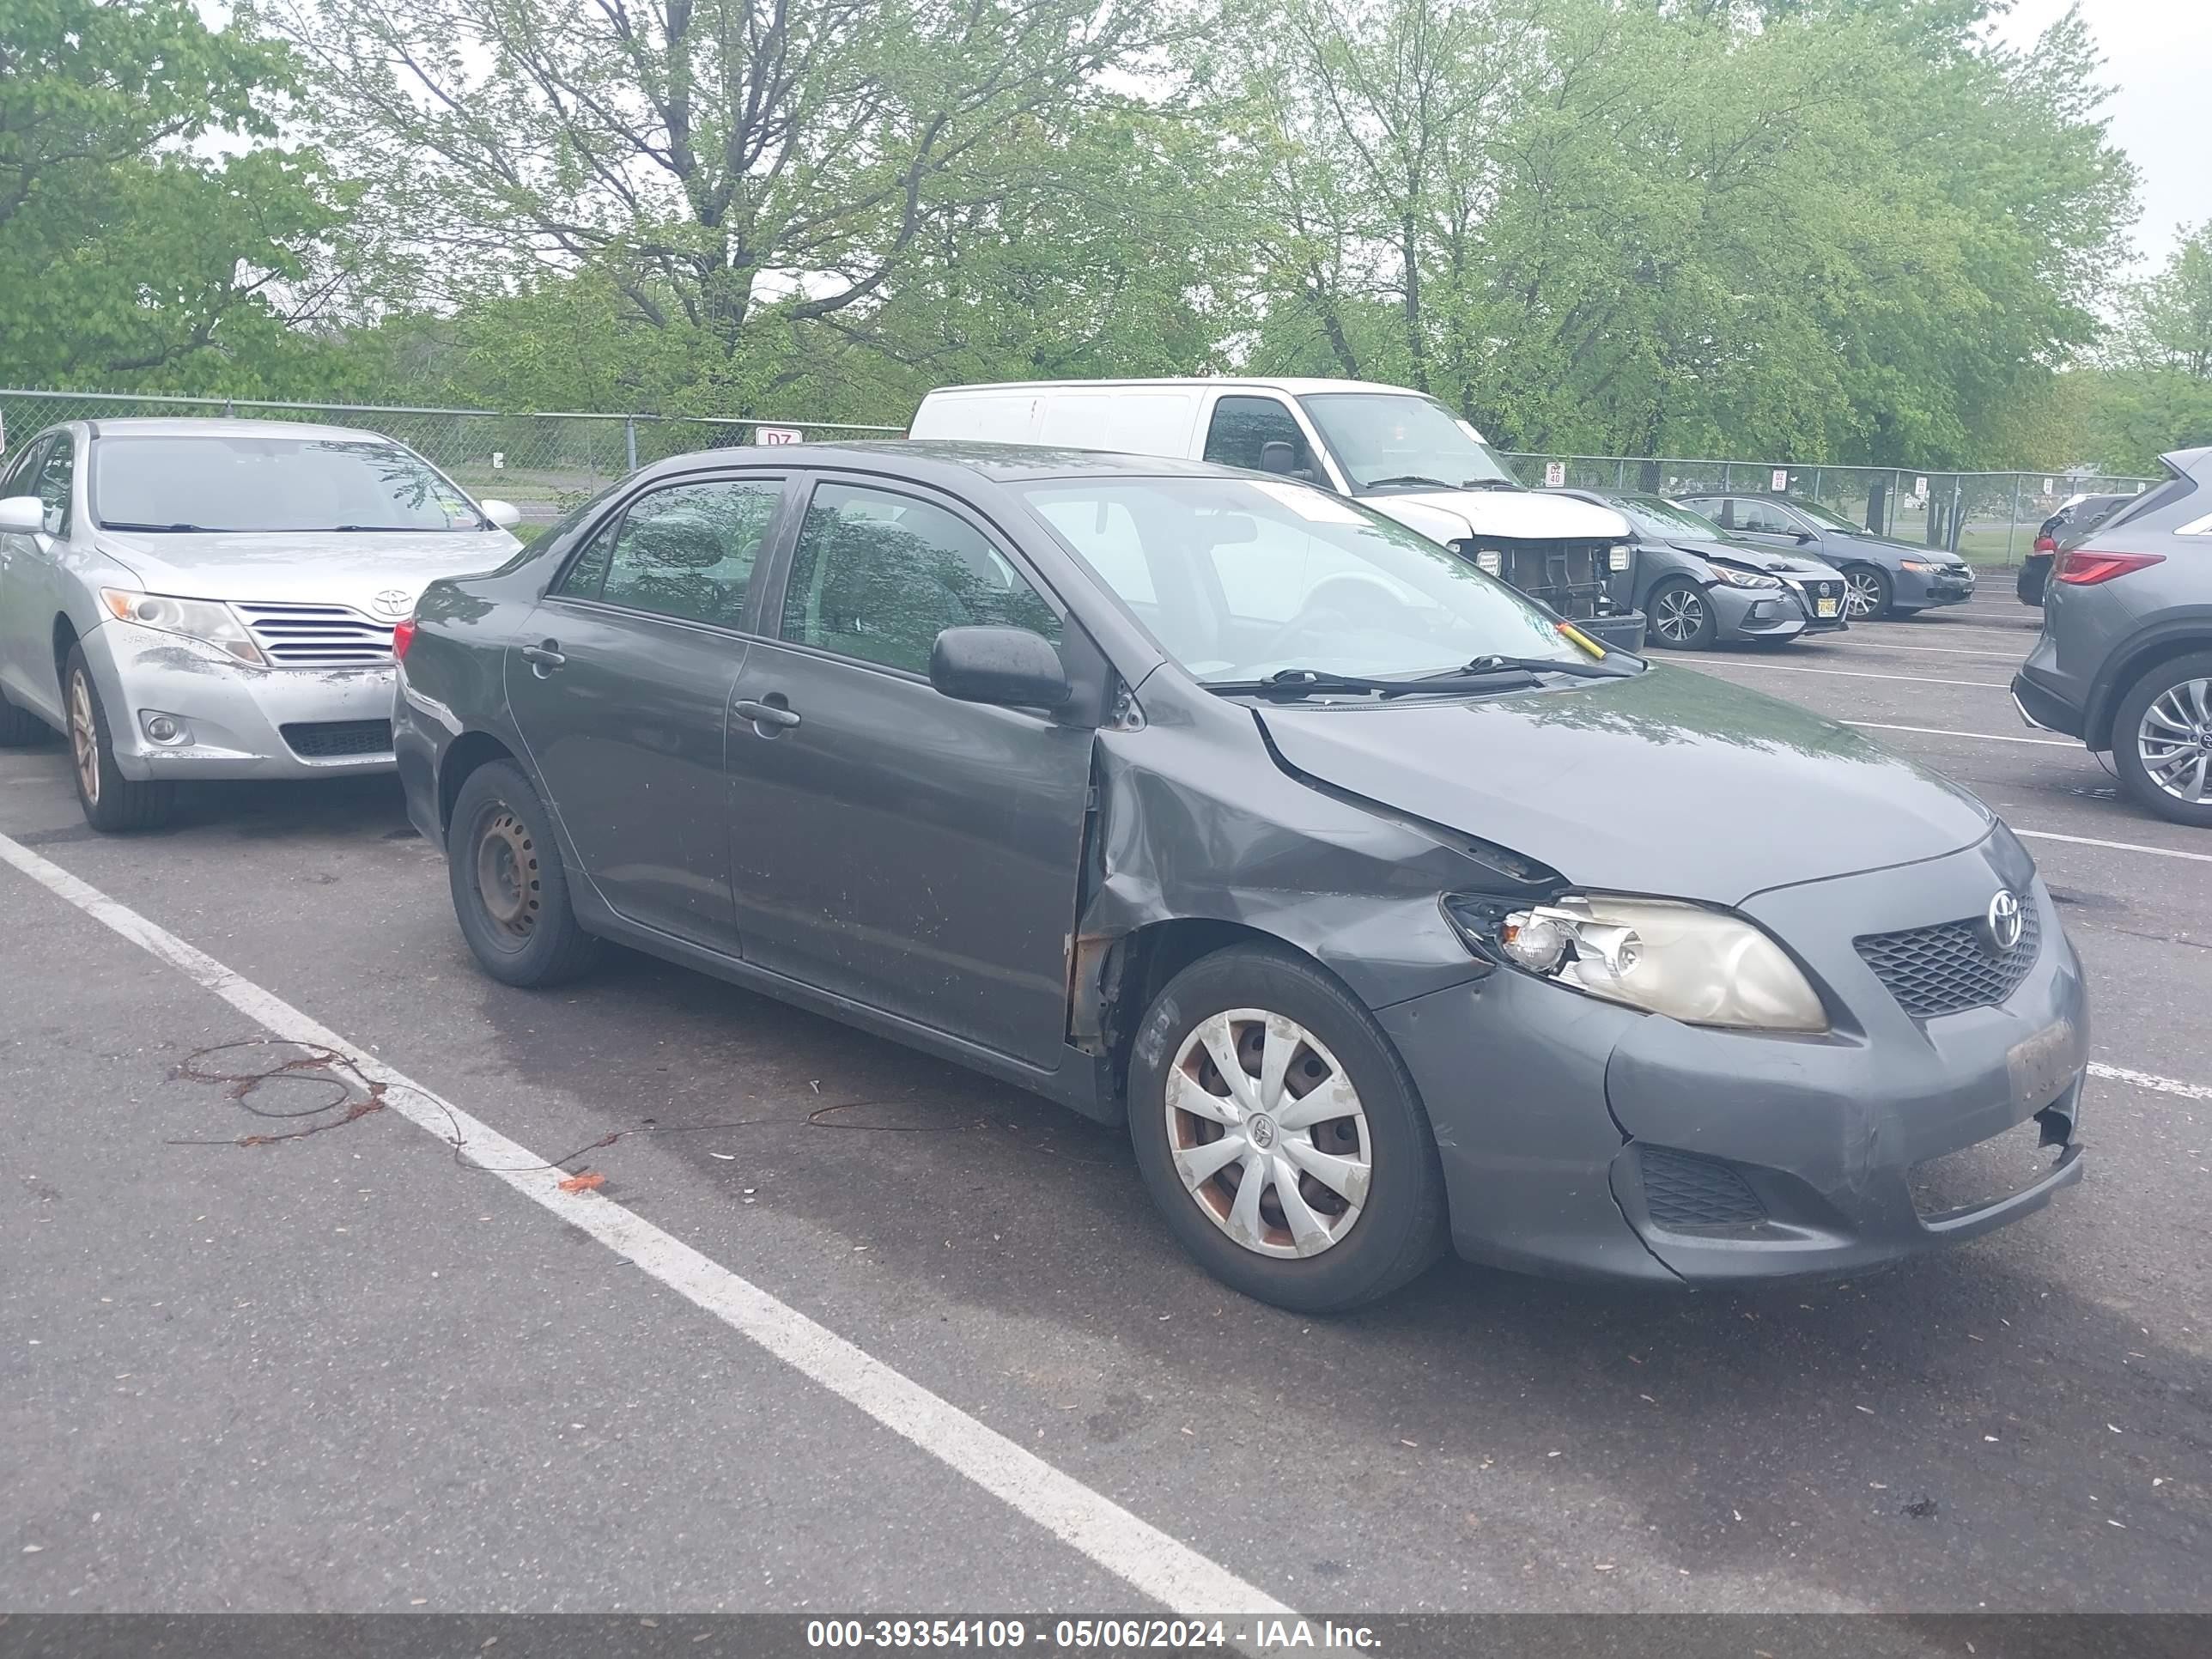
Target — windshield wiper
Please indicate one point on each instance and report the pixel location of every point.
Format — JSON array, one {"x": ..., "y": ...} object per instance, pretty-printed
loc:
[
  {"x": 1407, "y": 478},
  {"x": 394, "y": 529},
  {"x": 1314, "y": 682},
  {"x": 165, "y": 529},
  {"x": 1493, "y": 483},
  {"x": 1580, "y": 671}
]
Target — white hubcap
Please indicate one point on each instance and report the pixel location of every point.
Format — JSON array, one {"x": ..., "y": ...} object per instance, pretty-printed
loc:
[{"x": 1268, "y": 1133}]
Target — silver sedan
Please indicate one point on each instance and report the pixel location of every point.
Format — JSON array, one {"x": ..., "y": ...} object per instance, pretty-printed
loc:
[{"x": 208, "y": 598}]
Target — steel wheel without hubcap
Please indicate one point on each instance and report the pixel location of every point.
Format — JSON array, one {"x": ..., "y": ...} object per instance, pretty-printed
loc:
[
  {"x": 84, "y": 738},
  {"x": 1267, "y": 1134},
  {"x": 2174, "y": 740},
  {"x": 506, "y": 874},
  {"x": 1862, "y": 595},
  {"x": 1681, "y": 616}
]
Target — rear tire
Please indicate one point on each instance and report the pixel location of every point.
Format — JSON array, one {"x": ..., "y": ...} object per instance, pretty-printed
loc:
[
  {"x": 1342, "y": 1209},
  {"x": 510, "y": 890},
  {"x": 1868, "y": 593},
  {"x": 1682, "y": 615},
  {"x": 112, "y": 804},
  {"x": 2162, "y": 740}
]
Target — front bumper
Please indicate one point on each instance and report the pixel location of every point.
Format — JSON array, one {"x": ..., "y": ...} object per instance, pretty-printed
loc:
[
  {"x": 1554, "y": 1113},
  {"x": 1837, "y": 618},
  {"x": 1752, "y": 613},
  {"x": 1913, "y": 590},
  {"x": 238, "y": 721}
]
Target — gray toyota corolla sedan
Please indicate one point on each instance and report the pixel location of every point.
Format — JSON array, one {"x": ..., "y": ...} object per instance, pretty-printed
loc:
[{"x": 1382, "y": 908}]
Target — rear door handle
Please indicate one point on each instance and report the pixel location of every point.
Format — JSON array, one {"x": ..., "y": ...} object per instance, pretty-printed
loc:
[
  {"x": 543, "y": 659},
  {"x": 772, "y": 715}
]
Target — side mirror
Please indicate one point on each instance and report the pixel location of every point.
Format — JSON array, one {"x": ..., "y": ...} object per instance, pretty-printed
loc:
[
  {"x": 22, "y": 515},
  {"x": 1278, "y": 455},
  {"x": 1805, "y": 536},
  {"x": 505, "y": 514},
  {"x": 1009, "y": 666}
]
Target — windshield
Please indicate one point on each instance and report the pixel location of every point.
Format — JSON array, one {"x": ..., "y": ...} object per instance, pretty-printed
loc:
[
  {"x": 1237, "y": 580},
  {"x": 1656, "y": 516},
  {"x": 1389, "y": 440},
  {"x": 272, "y": 484}
]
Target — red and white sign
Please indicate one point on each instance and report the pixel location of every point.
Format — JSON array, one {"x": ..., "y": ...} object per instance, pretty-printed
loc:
[
  {"x": 1555, "y": 474},
  {"x": 1781, "y": 480},
  {"x": 778, "y": 435}
]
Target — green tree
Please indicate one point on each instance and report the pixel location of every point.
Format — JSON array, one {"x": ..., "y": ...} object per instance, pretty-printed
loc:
[{"x": 126, "y": 257}]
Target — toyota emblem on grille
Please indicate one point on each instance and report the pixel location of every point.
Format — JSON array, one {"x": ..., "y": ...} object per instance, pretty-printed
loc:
[
  {"x": 392, "y": 602},
  {"x": 2005, "y": 921}
]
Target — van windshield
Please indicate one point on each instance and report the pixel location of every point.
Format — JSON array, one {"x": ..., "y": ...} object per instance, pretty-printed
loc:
[
  {"x": 1394, "y": 441},
  {"x": 1239, "y": 579}
]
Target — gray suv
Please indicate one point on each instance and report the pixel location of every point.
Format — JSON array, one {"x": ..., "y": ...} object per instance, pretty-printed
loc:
[{"x": 2124, "y": 659}]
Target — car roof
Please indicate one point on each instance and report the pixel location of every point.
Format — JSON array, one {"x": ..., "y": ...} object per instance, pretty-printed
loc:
[
  {"x": 188, "y": 426},
  {"x": 1295, "y": 384},
  {"x": 944, "y": 459}
]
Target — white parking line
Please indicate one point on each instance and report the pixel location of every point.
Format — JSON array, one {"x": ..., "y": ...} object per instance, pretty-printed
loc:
[
  {"x": 1854, "y": 643},
  {"x": 1847, "y": 673},
  {"x": 2116, "y": 846},
  {"x": 1978, "y": 736},
  {"x": 1147, "y": 1560},
  {"x": 2165, "y": 1086}
]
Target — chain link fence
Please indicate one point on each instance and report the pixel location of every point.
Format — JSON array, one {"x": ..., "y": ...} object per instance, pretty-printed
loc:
[
  {"x": 543, "y": 464},
  {"x": 1989, "y": 518}
]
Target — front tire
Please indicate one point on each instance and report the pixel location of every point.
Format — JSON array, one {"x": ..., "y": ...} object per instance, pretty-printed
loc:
[
  {"x": 2162, "y": 740},
  {"x": 1866, "y": 593},
  {"x": 112, "y": 804},
  {"x": 1281, "y": 1136},
  {"x": 510, "y": 890},
  {"x": 1682, "y": 617}
]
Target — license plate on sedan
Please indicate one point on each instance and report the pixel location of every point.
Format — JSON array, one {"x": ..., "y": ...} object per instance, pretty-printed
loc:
[
  {"x": 2043, "y": 1066},
  {"x": 1824, "y": 607}
]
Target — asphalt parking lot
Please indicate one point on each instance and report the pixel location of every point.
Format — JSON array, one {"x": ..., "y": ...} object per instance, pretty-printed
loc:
[{"x": 899, "y": 1339}]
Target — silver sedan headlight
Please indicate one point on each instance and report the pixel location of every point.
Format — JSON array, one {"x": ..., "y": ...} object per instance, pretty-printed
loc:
[
  {"x": 204, "y": 620},
  {"x": 1702, "y": 967}
]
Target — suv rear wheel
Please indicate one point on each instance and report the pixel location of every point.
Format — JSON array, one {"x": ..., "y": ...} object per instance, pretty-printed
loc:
[{"x": 2162, "y": 740}]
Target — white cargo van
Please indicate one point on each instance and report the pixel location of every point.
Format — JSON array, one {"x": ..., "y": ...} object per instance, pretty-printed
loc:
[{"x": 1400, "y": 452}]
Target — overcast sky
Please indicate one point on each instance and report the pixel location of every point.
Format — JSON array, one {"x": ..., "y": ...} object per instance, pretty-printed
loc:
[{"x": 2158, "y": 60}]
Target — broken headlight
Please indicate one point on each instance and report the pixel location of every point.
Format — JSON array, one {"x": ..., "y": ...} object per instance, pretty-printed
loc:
[
  {"x": 208, "y": 621},
  {"x": 1702, "y": 967}
]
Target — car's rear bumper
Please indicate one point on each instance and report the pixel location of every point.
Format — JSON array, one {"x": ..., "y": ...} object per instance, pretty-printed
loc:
[
  {"x": 1576, "y": 1136},
  {"x": 235, "y": 720},
  {"x": 2040, "y": 706}
]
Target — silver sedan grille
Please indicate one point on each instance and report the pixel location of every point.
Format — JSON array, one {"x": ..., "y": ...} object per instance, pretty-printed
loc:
[{"x": 317, "y": 636}]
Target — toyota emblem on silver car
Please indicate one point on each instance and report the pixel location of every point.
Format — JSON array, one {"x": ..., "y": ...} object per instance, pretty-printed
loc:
[
  {"x": 393, "y": 602},
  {"x": 2005, "y": 921}
]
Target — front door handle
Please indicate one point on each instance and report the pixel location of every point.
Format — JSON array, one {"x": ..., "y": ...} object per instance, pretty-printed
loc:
[
  {"x": 768, "y": 718},
  {"x": 543, "y": 659}
]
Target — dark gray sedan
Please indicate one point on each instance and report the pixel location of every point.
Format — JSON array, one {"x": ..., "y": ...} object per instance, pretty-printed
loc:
[
  {"x": 1884, "y": 577},
  {"x": 1701, "y": 586},
  {"x": 1382, "y": 907}
]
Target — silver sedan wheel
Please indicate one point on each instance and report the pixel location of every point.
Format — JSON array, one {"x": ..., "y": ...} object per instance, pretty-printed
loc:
[
  {"x": 84, "y": 737},
  {"x": 1681, "y": 616},
  {"x": 1861, "y": 594},
  {"x": 1268, "y": 1133},
  {"x": 2175, "y": 740}
]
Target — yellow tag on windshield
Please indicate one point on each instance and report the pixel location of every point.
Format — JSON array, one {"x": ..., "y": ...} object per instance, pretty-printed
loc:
[{"x": 1582, "y": 639}]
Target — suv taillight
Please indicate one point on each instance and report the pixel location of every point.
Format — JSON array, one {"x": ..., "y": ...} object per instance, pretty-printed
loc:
[
  {"x": 2084, "y": 567},
  {"x": 2047, "y": 543},
  {"x": 403, "y": 636}
]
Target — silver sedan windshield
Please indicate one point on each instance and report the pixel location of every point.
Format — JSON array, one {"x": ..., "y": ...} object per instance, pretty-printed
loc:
[{"x": 1237, "y": 578}]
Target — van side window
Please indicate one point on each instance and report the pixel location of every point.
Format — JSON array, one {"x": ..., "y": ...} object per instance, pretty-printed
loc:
[{"x": 1243, "y": 426}]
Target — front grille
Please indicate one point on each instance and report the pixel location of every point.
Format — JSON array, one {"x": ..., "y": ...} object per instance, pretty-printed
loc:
[
  {"x": 1684, "y": 1193},
  {"x": 317, "y": 636},
  {"x": 1949, "y": 968},
  {"x": 328, "y": 739},
  {"x": 1569, "y": 576}
]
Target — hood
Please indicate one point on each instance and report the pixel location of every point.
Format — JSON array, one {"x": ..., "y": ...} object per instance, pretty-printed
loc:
[
  {"x": 1751, "y": 556},
  {"x": 1450, "y": 515},
  {"x": 305, "y": 568},
  {"x": 1670, "y": 784}
]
